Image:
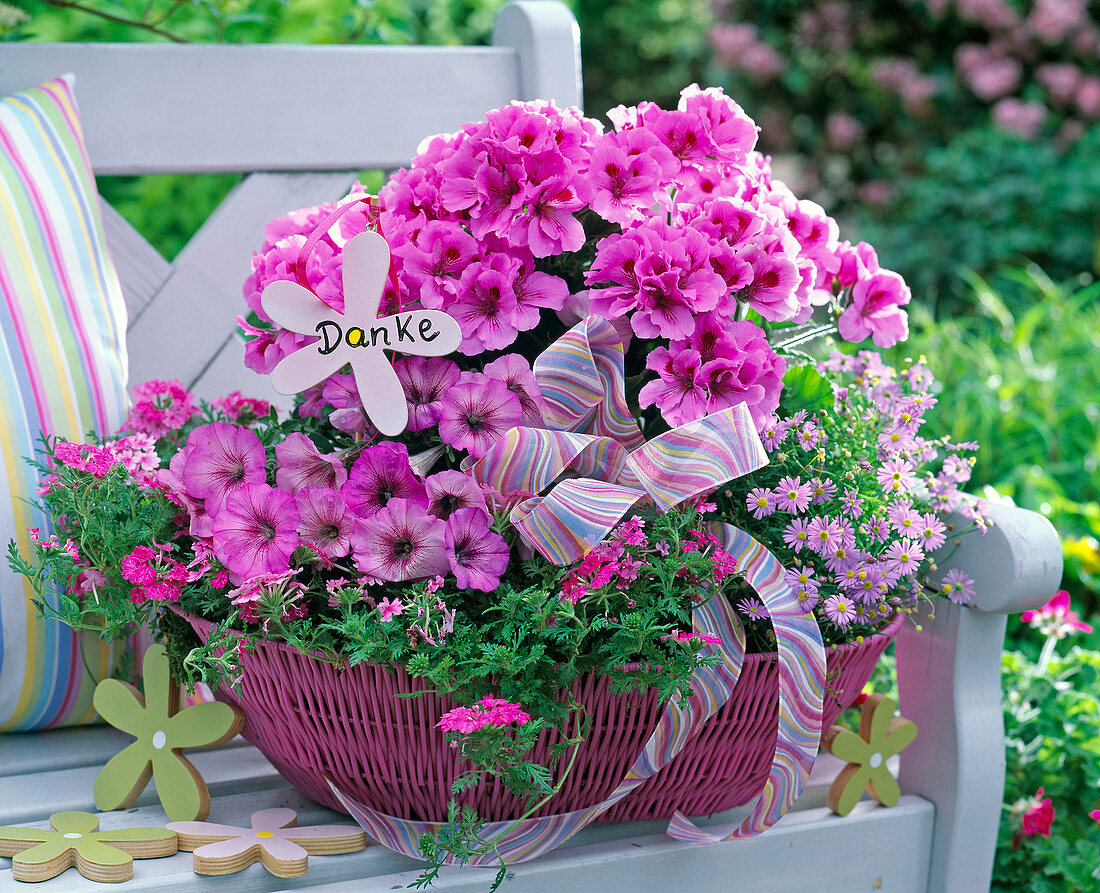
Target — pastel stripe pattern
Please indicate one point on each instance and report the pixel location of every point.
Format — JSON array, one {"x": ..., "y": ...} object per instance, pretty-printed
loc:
[
  {"x": 801, "y": 692},
  {"x": 583, "y": 385},
  {"x": 62, "y": 370}
]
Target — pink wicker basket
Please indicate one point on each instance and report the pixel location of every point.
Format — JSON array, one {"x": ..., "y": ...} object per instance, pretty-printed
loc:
[{"x": 310, "y": 717}]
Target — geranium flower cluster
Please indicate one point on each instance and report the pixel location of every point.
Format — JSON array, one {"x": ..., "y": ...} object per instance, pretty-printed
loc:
[
  {"x": 670, "y": 225},
  {"x": 854, "y": 492},
  {"x": 370, "y": 514}
]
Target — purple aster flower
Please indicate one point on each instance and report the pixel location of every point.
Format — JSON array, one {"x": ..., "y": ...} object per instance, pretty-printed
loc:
[
  {"x": 773, "y": 433},
  {"x": 870, "y": 586},
  {"x": 449, "y": 491},
  {"x": 381, "y": 473},
  {"x": 808, "y": 598},
  {"x": 876, "y": 528},
  {"x": 425, "y": 380},
  {"x": 931, "y": 532},
  {"x": 302, "y": 465},
  {"x": 896, "y": 476},
  {"x": 840, "y": 609},
  {"x": 478, "y": 555},
  {"x": 821, "y": 490},
  {"x": 791, "y": 495},
  {"x": 753, "y": 609},
  {"x": 958, "y": 586},
  {"x": 903, "y": 518},
  {"x": 851, "y": 503},
  {"x": 824, "y": 534},
  {"x": 327, "y": 523},
  {"x": 475, "y": 415},
  {"x": 761, "y": 502},
  {"x": 256, "y": 531},
  {"x": 800, "y": 578},
  {"x": 809, "y": 436},
  {"x": 222, "y": 458},
  {"x": 400, "y": 542},
  {"x": 905, "y": 555},
  {"x": 796, "y": 534}
]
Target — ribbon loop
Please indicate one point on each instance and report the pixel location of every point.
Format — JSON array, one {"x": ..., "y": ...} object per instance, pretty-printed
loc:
[{"x": 583, "y": 384}]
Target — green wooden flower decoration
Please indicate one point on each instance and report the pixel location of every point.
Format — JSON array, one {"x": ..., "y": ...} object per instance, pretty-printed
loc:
[
  {"x": 74, "y": 838},
  {"x": 161, "y": 730},
  {"x": 881, "y": 735}
]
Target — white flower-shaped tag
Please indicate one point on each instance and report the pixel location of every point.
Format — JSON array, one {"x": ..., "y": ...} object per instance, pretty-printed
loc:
[{"x": 357, "y": 336}]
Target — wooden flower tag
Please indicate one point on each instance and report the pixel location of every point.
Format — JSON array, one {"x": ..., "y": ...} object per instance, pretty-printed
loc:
[
  {"x": 357, "y": 336},
  {"x": 881, "y": 735},
  {"x": 161, "y": 730},
  {"x": 274, "y": 840},
  {"x": 74, "y": 840}
]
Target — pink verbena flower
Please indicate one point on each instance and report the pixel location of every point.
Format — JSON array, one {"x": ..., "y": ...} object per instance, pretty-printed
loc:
[
  {"x": 242, "y": 409},
  {"x": 256, "y": 530},
  {"x": 97, "y": 460},
  {"x": 138, "y": 453},
  {"x": 157, "y": 576},
  {"x": 488, "y": 711},
  {"x": 388, "y": 609},
  {"x": 160, "y": 407},
  {"x": 1056, "y": 618},
  {"x": 683, "y": 635}
]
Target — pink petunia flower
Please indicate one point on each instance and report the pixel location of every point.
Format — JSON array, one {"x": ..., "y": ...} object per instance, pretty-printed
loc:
[
  {"x": 425, "y": 381},
  {"x": 302, "y": 465},
  {"x": 476, "y": 414},
  {"x": 477, "y": 554},
  {"x": 381, "y": 473},
  {"x": 390, "y": 608},
  {"x": 400, "y": 542},
  {"x": 517, "y": 376},
  {"x": 256, "y": 531},
  {"x": 222, "y": 459},
  {"x": 326, "y": 521},
  {"x": 449, "y": 491}
]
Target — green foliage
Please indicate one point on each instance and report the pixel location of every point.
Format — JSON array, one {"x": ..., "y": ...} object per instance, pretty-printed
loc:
[
  {"x": 985, "y": 200},
  {"x": 640, "y": 49},
  {"x": 1052, "y": 729},
  {"x": 1019, "y": 376}
]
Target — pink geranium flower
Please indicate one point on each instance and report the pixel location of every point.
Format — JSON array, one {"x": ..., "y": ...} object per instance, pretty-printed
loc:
[
  {"x": 1037, "y": 817},
  {"x": 874, "y": 310},
  {"x": 256, "y": 531},
  {"x": 476, "y": 414},
  {"x": 381, "y": 473},
  {"x": 1056, "y": 618},
  {"x": 400, "y": 542},
  {"x": 222, "y": 458},
  {"x": 477, "y": 555},
  {"x": 302, "y": 465}
]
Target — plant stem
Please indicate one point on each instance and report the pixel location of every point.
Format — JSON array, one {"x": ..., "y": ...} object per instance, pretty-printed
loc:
[{"x": 133, "y": 23}]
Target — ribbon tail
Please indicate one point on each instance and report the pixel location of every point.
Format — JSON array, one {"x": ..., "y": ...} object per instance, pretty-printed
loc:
[{"x": 801, "y": 692}]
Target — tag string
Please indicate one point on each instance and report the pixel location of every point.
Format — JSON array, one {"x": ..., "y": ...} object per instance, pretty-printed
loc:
[{"x": 374, "y": 218}]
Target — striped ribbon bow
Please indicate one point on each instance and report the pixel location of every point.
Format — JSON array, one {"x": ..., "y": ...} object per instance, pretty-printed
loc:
[{"x": 581, "y": 378}]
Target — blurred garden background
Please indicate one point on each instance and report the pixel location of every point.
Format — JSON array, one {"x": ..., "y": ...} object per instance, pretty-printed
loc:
[{"x": 961, "y": 137}]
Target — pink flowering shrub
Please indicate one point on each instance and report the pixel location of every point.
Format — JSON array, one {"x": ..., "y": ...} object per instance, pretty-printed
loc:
[{"x": 670, "y": 225}]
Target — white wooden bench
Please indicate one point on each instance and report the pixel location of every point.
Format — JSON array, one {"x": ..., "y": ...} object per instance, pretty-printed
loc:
[{"x": 301, "y": 121}]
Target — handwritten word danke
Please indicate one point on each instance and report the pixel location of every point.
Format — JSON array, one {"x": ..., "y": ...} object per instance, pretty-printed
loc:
[{"x": 358, "y": 336}]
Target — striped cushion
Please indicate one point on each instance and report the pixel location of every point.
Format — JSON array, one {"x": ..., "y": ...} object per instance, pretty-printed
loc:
[{"x": 62, "y": 370}]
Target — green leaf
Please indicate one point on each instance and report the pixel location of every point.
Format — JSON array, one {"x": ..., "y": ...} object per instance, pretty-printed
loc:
[{"x": 804, "y": 388}]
